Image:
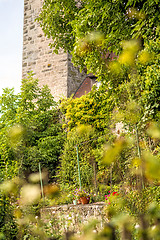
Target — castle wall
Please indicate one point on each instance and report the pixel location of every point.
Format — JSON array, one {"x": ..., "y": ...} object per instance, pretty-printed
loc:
[{"x": 54, "y": 70}]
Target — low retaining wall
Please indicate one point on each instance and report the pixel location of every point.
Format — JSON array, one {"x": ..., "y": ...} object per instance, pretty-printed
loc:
[{"x": 72, "y": 217}]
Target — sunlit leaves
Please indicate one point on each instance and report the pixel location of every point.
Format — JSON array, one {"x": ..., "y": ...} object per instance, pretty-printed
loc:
[
  {"x": 10, "y": 187},
  {"x": 152, "y": 166},
  {"x": 93, "y": 39},
  {"x": 30, "y": 194},
  {"x": 91, "y": 109},
  {"x": 16, "y": 134},
  {"x": 35, "y": 177},
  {"x": 112, "y": 152},
  {"x": 136, "y": 166},
  {"x": 144, "y": 57},
  {"x": 115, "y": 67},
  {"x": 154, "y": 130},
  {"x": 130, "y": 115},
  {"x": 56, "y": 18},
  {"x": 133, "y": 112},
  {"x": 84, "y": 130},
  {"x": 130, "y": 50}
]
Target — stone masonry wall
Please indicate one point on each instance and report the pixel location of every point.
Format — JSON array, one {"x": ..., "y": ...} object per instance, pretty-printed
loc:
[
  {"x": 54, "y": 70},
  {"x": 73, "y": 217},
  {"x": 75, "y": 78}
]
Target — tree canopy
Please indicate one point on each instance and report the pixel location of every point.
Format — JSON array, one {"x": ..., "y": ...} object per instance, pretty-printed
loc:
[
  {"x": 89, "y": 29},
  {"x": 30, "y": 130}
]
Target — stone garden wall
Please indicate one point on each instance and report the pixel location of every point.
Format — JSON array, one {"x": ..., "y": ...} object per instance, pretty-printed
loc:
[{"x": 73, "y": 217}]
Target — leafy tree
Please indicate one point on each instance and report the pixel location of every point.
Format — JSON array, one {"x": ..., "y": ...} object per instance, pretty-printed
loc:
[
  {"x": 30, "y": 129},
  {"x": 89, "y": 29},
  {"x": 8, "y": 106}
]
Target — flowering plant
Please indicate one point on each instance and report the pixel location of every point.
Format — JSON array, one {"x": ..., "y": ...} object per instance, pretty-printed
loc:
[
  {"x": 72, "y": 196},
  {"x": 78, "y": 193},
  {"x": 110, "y": 196}
]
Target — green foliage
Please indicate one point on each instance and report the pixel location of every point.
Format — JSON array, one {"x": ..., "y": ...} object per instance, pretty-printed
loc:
[
  {"x": 91, "y": 109},
  {"x": 20, "y": 206},
  {"x": 86, "y": 138},
  {"x": 59, "y": 14},
  {"x": 9, "y": 104},
  {"x": 129, "y": 93},
  {"x": 138, "y": 202},
  {"x": 8, "y": 226},
  {"x": 89, "y": 29},
  {"x": 138, "y": 94},
  {"x": 94, "y": 28},
  {"x": 30, "y": 130},
  {"x": 123, "y": 99}
]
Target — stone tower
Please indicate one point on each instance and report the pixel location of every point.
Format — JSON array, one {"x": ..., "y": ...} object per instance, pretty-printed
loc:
[{"x": 54, "y": 70}]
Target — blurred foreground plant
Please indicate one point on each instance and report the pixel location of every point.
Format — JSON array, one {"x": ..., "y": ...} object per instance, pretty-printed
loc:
[{"x": 20, "y": 205}]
